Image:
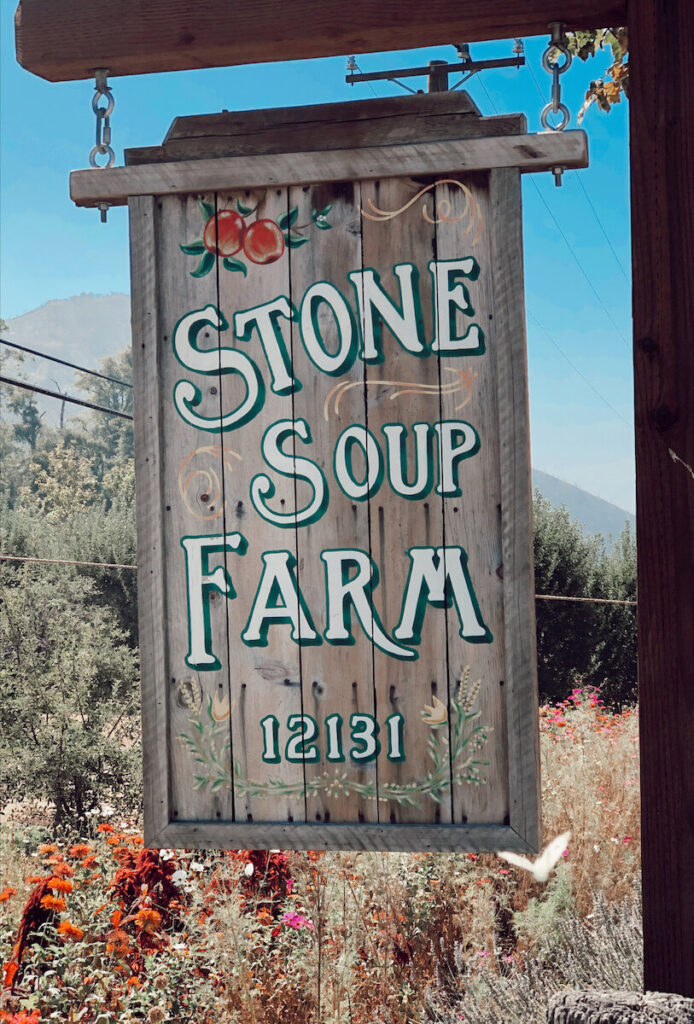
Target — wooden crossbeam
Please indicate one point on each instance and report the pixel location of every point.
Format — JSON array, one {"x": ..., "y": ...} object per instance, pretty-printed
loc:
[
  {"x": 529, "y": 152},
  {"x": 66, "y": 39}
]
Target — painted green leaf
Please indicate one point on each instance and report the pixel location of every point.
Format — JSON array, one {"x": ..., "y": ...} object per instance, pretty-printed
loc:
[
  {"x": 230, "y": 264},
  {"x": 193, "y": 248},
  {"x": 294, "y": 241},
  {"x": 287, "y": 219},
  {"x": 323, "y": 225},
  {"x": 243, "y": 210},
  {"x": 204, "y": 266},
  {"x": 206, "y": 209}
]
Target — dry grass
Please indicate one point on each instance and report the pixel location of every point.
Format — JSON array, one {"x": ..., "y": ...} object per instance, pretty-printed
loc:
[{"x": 400, "y": 938}]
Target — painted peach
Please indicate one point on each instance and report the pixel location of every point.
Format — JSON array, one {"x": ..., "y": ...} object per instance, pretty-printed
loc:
[
  {"x": 224, "y": 234},
  {"x": 263, "y": 241}
]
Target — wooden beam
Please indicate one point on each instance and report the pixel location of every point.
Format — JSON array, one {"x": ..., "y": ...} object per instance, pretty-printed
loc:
[
  {"x": 66, "y": 39},
  {"x": 662, "y": 204},
  {"x": 529, "y": 152}
]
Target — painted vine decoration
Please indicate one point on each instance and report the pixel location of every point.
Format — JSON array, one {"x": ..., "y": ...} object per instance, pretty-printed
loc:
[
  {"x": 263, "y": 241},
  {"x": 208, "y": 743}
]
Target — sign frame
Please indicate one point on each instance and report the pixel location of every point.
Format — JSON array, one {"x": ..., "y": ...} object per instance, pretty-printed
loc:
[{"x": 521, "y": 829}]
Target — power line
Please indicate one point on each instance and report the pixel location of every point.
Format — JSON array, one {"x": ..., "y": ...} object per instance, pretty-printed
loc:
[
  {"x": 63, "y": 398},
  {"x": 580, "y": 374},
  {"x": 579, "y": 178},
  {"x": 566, "y": 240},
  {"x": 63, "y": 362},
  {"x": 115, "y": 565},
  {"x": 65, "y": 561}
]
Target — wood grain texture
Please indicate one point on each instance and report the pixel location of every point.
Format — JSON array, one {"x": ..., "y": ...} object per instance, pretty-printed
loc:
[
  {"x": 472, "y": 520},
  {"x": 318, "y": 836},
  {"x": 192, "y": 498},
  {"x": 334, "y": 680},
  {"x": 65, "y": 39},
  {"x": 149, "y": 512},
  {"x": 395, "y": 119},
  {"x": 396, "y": 523},
  {"x": 662, "y": 165},
  {"x": 529, "y": 152},
  {"x": 520, "y": 685},
  {"x": 264, "y": 679}
]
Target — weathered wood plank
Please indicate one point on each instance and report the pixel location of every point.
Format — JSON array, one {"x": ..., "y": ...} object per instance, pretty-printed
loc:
[
  {"x": 366, "y": 836},
  {"x": 471, "y": 520},
  {"x": 520, "y": 684},
  {"x": 529, "y": 152},
  {"x": 192, "y": 504},
  {"x": 335, "y": 680},
  {"x": 264, "y": 677},
  {"x": 403, "y": 388},
  {"x": 149, "y": 470},
  {"x": 397, "y": 119},
  {"x": 662, "y": 216},
  {"x": 66, "y": 39}
]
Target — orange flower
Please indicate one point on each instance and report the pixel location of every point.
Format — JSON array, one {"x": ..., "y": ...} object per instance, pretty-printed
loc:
[
  {"x": 6, "y": 893},
  {"x": 264, "y": 916},
  {"x": 113, "y": 841},
  {"x": 53, "y": 903},
  {"x": 106, "y": 828},
  {"x": 48, "y": 848},
  {"x": 138, "y": 840},
  {"x": 34, "y": 879},
  {"x": 64, "y": 870},
  {"x": 148, "y": 919},
  {"x": 70, "y": 931},
  {"x": 80, "y": 850},
  {"x": 89, "y": 861},
  {"x": 60, "y": 885}
]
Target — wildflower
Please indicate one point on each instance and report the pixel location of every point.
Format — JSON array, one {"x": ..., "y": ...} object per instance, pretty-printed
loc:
[
  {"x": 80, "y": 850},
  {"x": 34, "y": 879},
  {"x": 56, "y": 903},
  {"x": 6, "y": 893},
  {"x": 148, "y": 919},
  {"x": 248, "y": 870},
  {"x": 296, "y": 921},
  {"x": 265, "y": 917},
  {"x": 156, "y": 1015},
  {"x": 161, "y": 981},
  {"x": 60, "y": 885},
  {"x": 105, "y": 828},
  {"x": 70, "y": 931},
  {"x": 48, "y": 848},
  {"x": 64, "y": 870},
  {"x": 89, "y": 861},
  {"x": 627, "y": 839}
]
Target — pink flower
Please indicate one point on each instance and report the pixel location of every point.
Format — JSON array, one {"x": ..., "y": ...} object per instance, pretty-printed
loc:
[
  {"x": 296, "y": 921},
  {"x": 627, "y": 839}
]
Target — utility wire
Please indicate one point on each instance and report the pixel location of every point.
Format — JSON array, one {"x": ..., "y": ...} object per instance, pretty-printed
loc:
[
  {"x": 114, "y": 565},
  {"x": 63, "y": 398},
  {"x": 585, "y": 192},
  {"x": 580, "y": 374},
  {"x": 566, "y": 240},
  {"x": 63, "y": 362}
]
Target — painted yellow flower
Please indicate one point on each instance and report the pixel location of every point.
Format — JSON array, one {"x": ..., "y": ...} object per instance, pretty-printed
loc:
[
  {"x": 220, "y": 708},
  {"x": 435, "y": 714}
]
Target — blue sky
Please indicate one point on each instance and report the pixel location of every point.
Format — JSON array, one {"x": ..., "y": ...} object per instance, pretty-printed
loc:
[{"x": 578, "y": 289}]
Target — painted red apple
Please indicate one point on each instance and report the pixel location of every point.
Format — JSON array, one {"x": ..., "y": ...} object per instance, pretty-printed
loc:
[
  {"x": 225, "y": 237},
  {"x": 263, "y": 241}
]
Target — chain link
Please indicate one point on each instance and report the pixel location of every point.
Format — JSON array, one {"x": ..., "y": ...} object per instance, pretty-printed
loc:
[
  {"x": 552, "y": 63},
  {"x": 103, "y": 121}
]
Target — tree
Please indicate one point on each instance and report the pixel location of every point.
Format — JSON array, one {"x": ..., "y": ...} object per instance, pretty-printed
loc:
[
  {"x": 603, "y": 92},
  {"x": 114, "y": 434},
  {"x": 69, "y": 698}
]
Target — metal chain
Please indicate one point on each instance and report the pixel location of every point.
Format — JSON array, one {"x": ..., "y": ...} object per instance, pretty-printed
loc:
[
  {"x": 552, "y": 63},
  {"x": 103, "y": 121}
]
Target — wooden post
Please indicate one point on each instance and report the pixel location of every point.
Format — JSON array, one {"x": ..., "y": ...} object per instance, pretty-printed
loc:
[{"x": 662, "y": 198}]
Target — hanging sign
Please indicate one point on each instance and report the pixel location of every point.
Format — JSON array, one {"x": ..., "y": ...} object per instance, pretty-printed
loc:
[{"x": 335, "y": 555}]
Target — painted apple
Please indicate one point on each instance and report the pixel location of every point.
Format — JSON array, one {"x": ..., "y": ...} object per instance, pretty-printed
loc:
[
  {"x": 225, "y": 237},
  {"x": 263, "y": 241}
]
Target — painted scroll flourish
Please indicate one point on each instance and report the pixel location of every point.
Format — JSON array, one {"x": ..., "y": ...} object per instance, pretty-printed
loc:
[
  {"x": 201, "y": 484},
  {"x": 471, "y": 210},
  {"x": 461, "y": 383}
]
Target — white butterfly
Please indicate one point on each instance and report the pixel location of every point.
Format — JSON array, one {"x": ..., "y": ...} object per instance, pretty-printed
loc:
[{"x": 542, "y": 867}]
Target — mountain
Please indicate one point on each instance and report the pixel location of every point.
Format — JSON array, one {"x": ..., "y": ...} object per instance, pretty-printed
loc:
[
  {"x": 595, "y": 514},
  {"x": 86, "y": 327}
]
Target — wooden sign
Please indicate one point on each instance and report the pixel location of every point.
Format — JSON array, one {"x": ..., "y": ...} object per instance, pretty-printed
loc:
[{"x": 333, "y": 495}]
